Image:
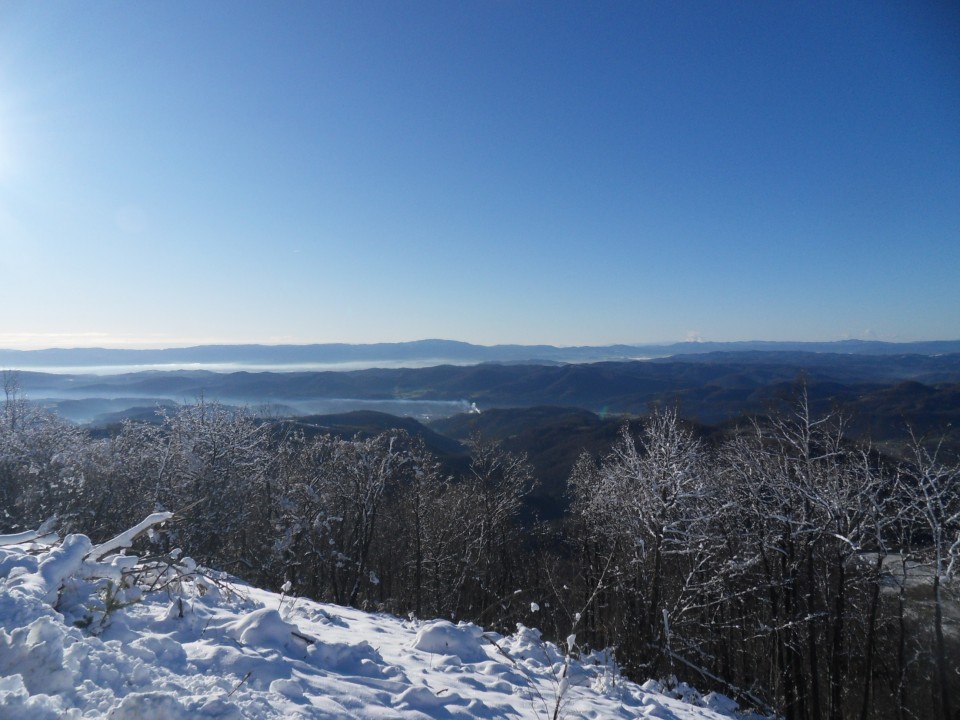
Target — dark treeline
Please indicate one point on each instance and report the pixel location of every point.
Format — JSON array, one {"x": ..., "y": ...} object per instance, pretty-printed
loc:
[{"x": 804, "y": 575}]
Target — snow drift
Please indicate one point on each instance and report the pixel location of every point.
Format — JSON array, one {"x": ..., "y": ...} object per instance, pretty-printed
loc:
[{"x": 90, "y": 632}]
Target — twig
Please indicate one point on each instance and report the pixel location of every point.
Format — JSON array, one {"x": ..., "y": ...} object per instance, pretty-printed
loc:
[
  {"x": 245, "y": 678},
  {"x": 736, "y": 690}
]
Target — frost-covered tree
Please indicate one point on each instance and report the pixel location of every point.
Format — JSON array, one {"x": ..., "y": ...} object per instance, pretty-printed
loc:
[
  {"x": 306, "y": 545},
  {"x": 772, "y": 544},
  {"x": 333, "y": 496},
  {"x": 42, "y": 469},
  {"x": 936, "y": 513},
  {"x": 420, "y": 514},
  {"x": 807, "y": 537},
  {"x": 494, "y": 487},
  {"x": 649, "y": 505},
  {"x": 213, "y": 460}
]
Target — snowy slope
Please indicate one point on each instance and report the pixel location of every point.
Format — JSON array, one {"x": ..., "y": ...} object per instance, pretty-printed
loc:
[{"x": 85, "y": 632}]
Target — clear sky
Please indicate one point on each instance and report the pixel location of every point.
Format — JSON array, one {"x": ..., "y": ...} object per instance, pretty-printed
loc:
[{"x": 500, "y": 171}]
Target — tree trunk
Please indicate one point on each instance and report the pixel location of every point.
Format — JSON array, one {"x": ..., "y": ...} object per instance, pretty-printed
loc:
[
  {"x": 837, "y": 664},
  {"x": 812, "y": 647},
  {"x": 902, "y": 643},
  {"x": 871, "y": 640},
  {"x": 941, "y": 651}
]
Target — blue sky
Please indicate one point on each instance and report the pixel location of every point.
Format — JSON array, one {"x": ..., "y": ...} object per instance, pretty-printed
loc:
[{"x": 520, "y": 172}]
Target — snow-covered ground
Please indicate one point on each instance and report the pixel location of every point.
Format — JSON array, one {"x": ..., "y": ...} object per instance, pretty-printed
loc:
[{"x": 86, "y": 632}]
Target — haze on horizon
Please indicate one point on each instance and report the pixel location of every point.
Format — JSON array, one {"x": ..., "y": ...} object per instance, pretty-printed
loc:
[{"x": 563, "y": 173}]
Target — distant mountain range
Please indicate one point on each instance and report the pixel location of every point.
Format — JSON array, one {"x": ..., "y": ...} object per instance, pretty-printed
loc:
[
  {"x": 432, "y": 352},
  {"x": 711, "y": 387},
  {"x": 547, "y": 408}
]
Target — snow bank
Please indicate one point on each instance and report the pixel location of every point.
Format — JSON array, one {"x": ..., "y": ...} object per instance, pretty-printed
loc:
[
  {"x": 80, "y": 639},
  {"x": 464, "y": 642}
]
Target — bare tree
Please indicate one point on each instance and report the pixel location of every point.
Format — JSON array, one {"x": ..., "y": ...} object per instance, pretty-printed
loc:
[
  {"x": 937, "y": 508},
  {"x": 495, "y": 486},
  {"x": 14, "y": 404},
  {"x": 649, "y": 505}
]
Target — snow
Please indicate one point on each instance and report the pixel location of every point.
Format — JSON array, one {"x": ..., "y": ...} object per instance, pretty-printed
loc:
[
  {"x": 126, "y": 538},
  {"x": 463, "y": 642},
  {"x": 84, "y": 637},
  {"x": 34, "y": 536}
]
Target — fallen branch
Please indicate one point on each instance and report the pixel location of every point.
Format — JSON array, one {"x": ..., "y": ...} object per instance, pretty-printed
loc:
[
  {"x": 34, "y": 536},
  {"x": 739, "y": 692},
  {"x": 127, "y": 537}
]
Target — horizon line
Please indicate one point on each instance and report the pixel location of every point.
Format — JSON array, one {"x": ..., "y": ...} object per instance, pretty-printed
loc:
[{"x": 190, "y": 345}]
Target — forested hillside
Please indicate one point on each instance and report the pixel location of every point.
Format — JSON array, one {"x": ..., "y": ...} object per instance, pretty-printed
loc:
[
  {"x": 777, "y": 561},
  {"x": 880, "y": 392}
]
